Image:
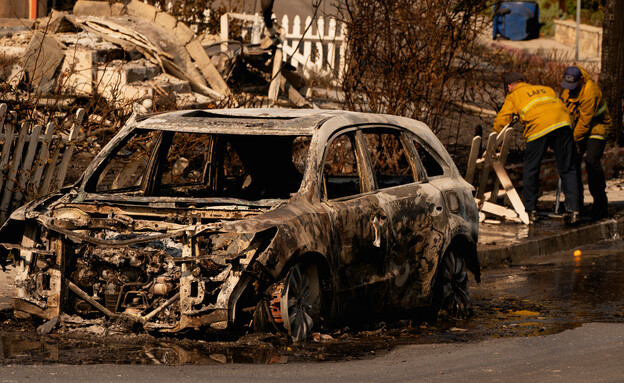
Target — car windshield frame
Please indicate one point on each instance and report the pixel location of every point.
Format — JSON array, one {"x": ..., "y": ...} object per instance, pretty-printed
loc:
[{"x": 145, "y": 191}]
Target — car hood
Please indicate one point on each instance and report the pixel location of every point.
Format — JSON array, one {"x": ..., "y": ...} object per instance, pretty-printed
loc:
[{"x": 121, "y": 221}]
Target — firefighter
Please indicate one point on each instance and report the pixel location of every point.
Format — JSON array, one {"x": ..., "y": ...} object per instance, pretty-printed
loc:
[
  {"x": 546, "y": 123},
  {"x": 592, "y": 124}
]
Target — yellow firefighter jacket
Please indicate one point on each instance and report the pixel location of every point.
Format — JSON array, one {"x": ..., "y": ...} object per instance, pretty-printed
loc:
[
  {"x": 588, "y": 111},
  {"x": 537, "y": 107}
]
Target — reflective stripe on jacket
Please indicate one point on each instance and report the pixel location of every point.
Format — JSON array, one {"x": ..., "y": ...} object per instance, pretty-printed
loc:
[
  {"x": 537, "y": 107},
  {"x": 588, "y": 111}
]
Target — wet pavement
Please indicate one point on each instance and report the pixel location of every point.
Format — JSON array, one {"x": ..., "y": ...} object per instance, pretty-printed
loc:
[{"x": 503, "y": 244}]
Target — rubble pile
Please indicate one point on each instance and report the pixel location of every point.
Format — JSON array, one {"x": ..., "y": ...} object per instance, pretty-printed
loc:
[{"x": 132, "y": 53}]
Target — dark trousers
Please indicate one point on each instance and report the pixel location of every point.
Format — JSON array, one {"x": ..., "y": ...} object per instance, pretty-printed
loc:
[
  {"x": 593, "y": 150},
  {"x": 562, "y": 142}
]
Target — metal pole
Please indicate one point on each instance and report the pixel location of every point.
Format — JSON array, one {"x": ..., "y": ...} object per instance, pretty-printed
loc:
[{"x": 578, "y": 27}]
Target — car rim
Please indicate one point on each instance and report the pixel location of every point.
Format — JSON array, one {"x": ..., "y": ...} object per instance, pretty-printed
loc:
[
  {"x": 455, "y": 298},
  {"x": 300, "y": 301}
]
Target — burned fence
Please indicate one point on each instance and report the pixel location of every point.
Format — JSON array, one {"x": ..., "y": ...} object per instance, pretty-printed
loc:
[{"x": 34, "y": 159}]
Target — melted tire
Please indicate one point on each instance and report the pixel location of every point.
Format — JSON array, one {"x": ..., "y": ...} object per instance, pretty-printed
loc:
[{"x": 450, "y": 291}]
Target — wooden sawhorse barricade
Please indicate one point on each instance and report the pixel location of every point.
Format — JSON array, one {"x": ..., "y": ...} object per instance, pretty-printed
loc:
[{"x": 495, "y": 159}]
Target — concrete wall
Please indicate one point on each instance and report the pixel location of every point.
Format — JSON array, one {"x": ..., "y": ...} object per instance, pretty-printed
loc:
[{"x": 590, "y": 40}]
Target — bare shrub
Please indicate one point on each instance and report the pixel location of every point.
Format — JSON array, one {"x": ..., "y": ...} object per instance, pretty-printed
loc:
[{"x": 409, "y": 58}]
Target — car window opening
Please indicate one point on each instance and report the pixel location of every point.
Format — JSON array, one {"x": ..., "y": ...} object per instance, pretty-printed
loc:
[
  {"x": 429, "y": 162},
  {"x": 207, "y": 165},
  {"x": 389, "y": 160},
  {"x": 340, "y": 170}
]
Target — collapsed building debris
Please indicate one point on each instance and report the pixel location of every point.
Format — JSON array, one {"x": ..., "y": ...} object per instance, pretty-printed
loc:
[{"x": 135, "y": 53}]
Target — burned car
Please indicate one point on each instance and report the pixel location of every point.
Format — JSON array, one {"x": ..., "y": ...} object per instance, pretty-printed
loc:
[{"x": 260, "y": 218}]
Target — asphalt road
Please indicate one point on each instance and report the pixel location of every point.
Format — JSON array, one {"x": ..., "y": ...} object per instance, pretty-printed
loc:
[{"x": 591, "y": 353}]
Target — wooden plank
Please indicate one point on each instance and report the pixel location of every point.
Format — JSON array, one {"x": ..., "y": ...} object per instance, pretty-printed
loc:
[
  {"x": 27, "y": 165},
  {"x": 42, "y": 161},
  {"x": 504, "y": 142},
  {"x": 307, "y": 44},
  {"x": 12, "y": 172},
  {"x": 503, "y": 133},
  {"x": 206, "y": 67},
  {"x": 331, "y": 46},
  {"x": 276, "y": 76},
  {"x": 224, "y": 41},
  {"x": 488, "y": 156},
  {"x": 499, "y": 211},
  {"x": 49, "y": 172},
  {"x": 512, "y": 194},
  {"x": 295, "y": 56},
  {"x": 501, "y": 193},
  {"x": 9, "y": 135},
  {"x": 293, "y": 94},
  {"x": 505, "y": 147},
  {"x": 77, "y": 124},
  {"x": 472, "y": 158},
  {"x": 198, "y": 87},
  {"x": 64, "y": 165},
  {"x": 69, "y": 149},
  {"x": 3, "y": 110}
]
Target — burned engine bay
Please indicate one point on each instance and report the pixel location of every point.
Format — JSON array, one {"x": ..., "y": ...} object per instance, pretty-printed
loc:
[{"x": 135, "y": 265}]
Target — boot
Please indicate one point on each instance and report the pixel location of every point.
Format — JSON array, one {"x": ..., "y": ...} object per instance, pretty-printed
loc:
[
  {"x": 599, "y": 212},
  {"x": 572, "y": 217},
  {"x": 533, "y": 217}
]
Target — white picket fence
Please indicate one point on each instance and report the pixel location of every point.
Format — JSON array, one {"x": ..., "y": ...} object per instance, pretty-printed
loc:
[
  {"x": 317, "y": 46},
  {"x": 33, "y": 160}
]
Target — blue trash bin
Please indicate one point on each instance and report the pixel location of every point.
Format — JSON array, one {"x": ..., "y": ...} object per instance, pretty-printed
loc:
[{"x": 516, "y": 20}]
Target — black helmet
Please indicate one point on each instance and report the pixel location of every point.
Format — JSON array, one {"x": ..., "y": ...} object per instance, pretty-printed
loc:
[{"x": 512, "y": 77}]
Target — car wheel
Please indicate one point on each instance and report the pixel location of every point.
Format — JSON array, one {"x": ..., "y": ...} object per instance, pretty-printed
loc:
[
  {"x": 301, "y": 301},
  {"x": 450, "y": 292}
]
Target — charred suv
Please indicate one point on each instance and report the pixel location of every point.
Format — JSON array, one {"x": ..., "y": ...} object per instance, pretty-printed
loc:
[{"x": 264, "y": 218}]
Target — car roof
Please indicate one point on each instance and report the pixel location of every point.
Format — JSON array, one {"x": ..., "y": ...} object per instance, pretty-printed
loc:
[
  {"x": 270, "y": 121},
  {"x": 243, "y": 121}
]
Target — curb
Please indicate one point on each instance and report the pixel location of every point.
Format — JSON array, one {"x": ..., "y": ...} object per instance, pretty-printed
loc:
[{"x": 495, "y": 256}]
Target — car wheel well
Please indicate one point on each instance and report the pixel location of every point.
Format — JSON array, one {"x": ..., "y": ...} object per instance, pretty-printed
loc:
[
  {"x": 467, "y": 249},
  {"x": 325, "y": 277},
  {"x": 449, "y": 288},
  {"x": 307, "y": 259}
]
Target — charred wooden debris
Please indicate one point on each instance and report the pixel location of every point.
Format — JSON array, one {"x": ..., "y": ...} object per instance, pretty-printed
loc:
[{"x": 131, "y": 54}]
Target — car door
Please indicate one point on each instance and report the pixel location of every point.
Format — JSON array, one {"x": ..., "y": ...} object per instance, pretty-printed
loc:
[
  {"x": 359, "y": 258},
  {"x": 414, "y": 215}
]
